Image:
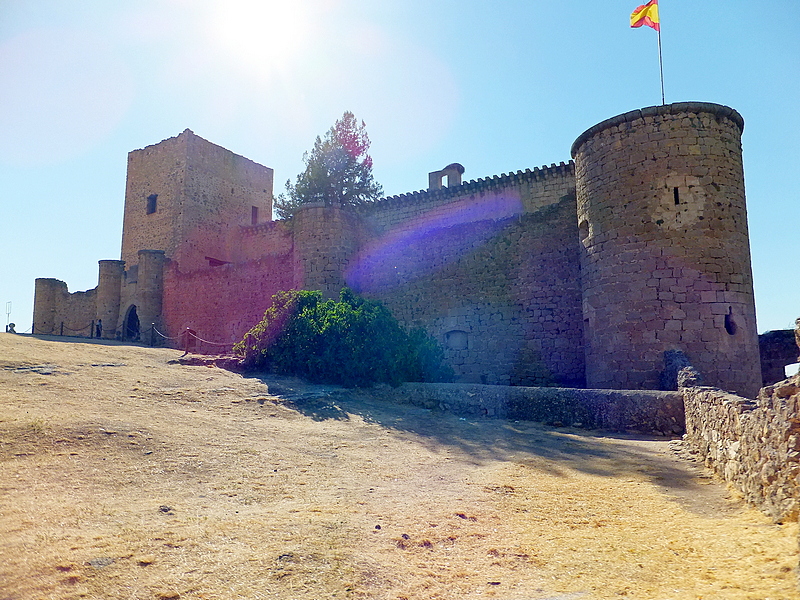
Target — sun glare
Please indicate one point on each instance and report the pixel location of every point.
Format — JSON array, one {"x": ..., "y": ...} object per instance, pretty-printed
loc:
[{"x": 269, "y": 34}]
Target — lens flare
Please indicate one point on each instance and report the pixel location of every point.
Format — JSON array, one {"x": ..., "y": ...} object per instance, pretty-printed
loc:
[
  {"x": 261, "y": 34},
  {"x": 411, "y": 250}
]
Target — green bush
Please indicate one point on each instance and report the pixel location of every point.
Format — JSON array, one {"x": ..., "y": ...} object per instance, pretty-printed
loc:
[{"x": 354, "y": 342}]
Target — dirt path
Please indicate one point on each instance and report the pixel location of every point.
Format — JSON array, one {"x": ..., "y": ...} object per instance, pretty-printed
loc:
[{"x": 124, "y": 476}]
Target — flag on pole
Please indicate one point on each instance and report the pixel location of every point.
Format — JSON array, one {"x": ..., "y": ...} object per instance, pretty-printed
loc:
[{"x": 646, "y": 14}]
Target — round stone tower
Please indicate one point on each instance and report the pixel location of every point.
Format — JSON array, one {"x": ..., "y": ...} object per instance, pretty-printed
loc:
[
  {"x": 325, "y": 240},
  {"x": 665, "y": 256},
  {"x": 150, "y": 288},
  {"x": 108, "y": 295},
  {"x": 45, "y": 303}
]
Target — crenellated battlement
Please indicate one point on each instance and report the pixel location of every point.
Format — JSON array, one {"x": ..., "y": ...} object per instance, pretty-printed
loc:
[
  {"x": 264, "y": 228},
  {"x": 482, "y": 184}
]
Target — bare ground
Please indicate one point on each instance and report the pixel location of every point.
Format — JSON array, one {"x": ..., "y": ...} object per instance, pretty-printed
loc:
[{"x": 124, "y": 476}]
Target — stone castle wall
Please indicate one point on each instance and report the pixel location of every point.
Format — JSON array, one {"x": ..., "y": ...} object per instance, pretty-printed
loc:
[
  {"x": 487, "y": 269},
  {"x": 272, "y": 238},
  {"x": 523, "y": 191},
  {"x": 665, "y": 253},
  {"x": 160, "y": 169},
  {"x": 222, "y": 303},
  {"x": 325, "y": 240},
  {"x": 59, "y": 312},
  {"x": 498, "y": 287},
  {"x": 513, "y": 285},
  {"x": 109, "y": 295},
  {"x": 568, "y": 275}
]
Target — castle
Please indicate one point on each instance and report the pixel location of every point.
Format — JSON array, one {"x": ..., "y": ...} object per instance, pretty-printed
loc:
[{"x": 580, "y": 274}]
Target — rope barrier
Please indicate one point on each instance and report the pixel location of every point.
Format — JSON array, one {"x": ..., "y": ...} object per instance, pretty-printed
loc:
[
  {"x": 166, "y": 337},
  {"x": 186, "y": 334},
  {"x": 194, "y": 335},
  {"x": 34, "y": 330},
  {"x": 192, "y": 338},
  {"x": 79, "y": 330}
]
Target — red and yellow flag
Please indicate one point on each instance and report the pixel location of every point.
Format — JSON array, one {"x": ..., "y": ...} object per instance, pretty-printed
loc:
[{"x": 646, "y": 14}]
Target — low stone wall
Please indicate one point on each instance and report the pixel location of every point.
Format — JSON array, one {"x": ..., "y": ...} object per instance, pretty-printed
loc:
[
  {"x": 753, "y": 445},
  {"x": 617, "y": 410}
]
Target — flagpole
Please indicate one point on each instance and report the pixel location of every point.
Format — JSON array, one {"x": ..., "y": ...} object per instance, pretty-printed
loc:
[
  {"x": 647, "y": 14},
  {"x": 661, "y": 66}
]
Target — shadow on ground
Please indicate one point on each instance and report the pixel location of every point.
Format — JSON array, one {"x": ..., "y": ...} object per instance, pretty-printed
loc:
[{"x": 600, "y": 453}]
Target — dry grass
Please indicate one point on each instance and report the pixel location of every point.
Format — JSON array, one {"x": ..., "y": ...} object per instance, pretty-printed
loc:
[{"x": 123, "y": 476}]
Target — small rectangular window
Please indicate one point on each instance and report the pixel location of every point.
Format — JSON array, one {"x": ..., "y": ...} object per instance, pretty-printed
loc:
[
  {"x": 676, "y": 196},
  {"x": 254, "y": 216},
  {"x": 152, "y": 202}
]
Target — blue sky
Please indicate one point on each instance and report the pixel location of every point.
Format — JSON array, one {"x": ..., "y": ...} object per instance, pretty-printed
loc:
[{"x": 497, "y": 86}]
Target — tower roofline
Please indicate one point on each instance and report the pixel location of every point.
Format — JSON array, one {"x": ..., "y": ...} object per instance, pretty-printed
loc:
[{"x": 719, "y": 110}]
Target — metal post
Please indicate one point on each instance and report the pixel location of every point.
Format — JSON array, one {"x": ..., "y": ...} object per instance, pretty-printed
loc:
[
  {"x": 62, "y": 328},
  {"x": 152, "y": 334}
]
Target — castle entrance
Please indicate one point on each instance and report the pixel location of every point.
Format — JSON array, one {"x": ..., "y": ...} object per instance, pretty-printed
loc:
[{"x": 130, "y": 331}]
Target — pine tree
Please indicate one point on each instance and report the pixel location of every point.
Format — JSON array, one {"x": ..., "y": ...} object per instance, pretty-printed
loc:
[{"x": 338, "y": 170}]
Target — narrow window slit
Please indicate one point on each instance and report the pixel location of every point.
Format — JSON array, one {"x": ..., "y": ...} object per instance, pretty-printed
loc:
[
  {"x": 730, "y": 324},
  {"x": 676, "y": 195}
]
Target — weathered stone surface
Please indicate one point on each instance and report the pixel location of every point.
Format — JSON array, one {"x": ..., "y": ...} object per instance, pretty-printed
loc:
[
  {"x": 665, "y": 262},
  {"x": 617, "y": 410},
  {"x": 754, "y": 445},
  {"x": 777, "y": 348},
  {"x": 797, "y": 332},
  {"x": 678, "y": 371},
  {"x": 689, "y": 377}
]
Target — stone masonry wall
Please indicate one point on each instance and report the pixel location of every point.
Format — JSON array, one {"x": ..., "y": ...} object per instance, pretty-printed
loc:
[
  {"x": 483, "y": 267},
  {"x": 222, "y": 303},
  {"x": 130, "y": 282},
  {"x": 665, "y": 251},
  {"x": 530, "y": 190},
  {"x": 109, "y": 295},
  {"x": 59, "y": 312},
  {"x": 272, "y": 238},
  {"x": 159, "y": 169},
  {"x": 753, "y": 445},
  {"x": 777, "y": 349},
  {"x": 204, "y": 194},
  {"x": 221, "y": 191},
  {"x": 325, "y": 240},
  {"x": 573, "y": 274},
  {"x": 262, "y": 265},
  {"x": 498, "y": 286},
  {"x": 617, "y": 410}
]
